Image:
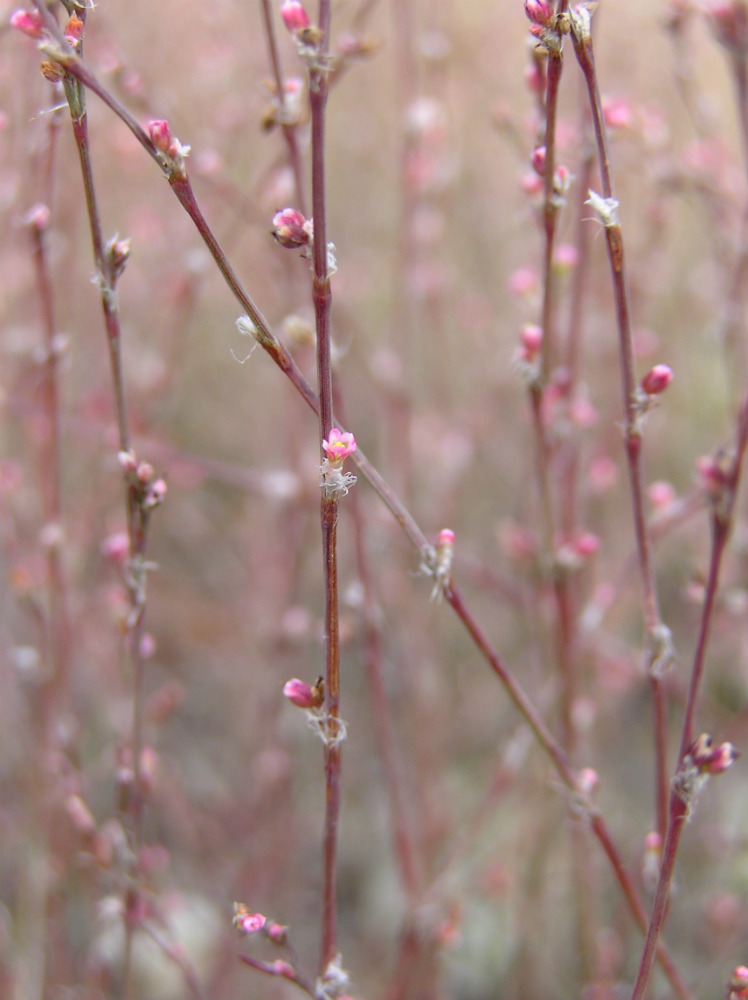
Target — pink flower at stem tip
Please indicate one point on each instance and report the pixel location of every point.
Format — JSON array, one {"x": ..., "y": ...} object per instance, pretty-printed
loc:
[
  {"x": 657, "y": 380},
  {"x": 339, "y": 445}
]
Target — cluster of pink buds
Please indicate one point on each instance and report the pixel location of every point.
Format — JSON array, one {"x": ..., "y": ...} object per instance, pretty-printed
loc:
[
  {"x": 29, "y": 22},
  {"x": 150, "y": 489},
  {"x": 255, "y": 923},
  {"x": 702, "y": 760},
  {"x": 738, "y": 985},
  {"x": 711, "y": 759},
  {"x": 167, "y": 143},
  {"x": 291, "y": 229},
  {"x": 562, "y": 176}
]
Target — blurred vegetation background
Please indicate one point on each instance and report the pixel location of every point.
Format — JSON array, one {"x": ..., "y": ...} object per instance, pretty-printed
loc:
[{"x": 429, "y": 141}]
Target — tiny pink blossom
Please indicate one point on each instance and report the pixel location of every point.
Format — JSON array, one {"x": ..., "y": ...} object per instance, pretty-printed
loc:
[
  {"x": 281, "y": 968},
  {"x": 29, "y": 22},
  {"x": 531, "y": 183},
  {"x": 657, "y": 380},
  {"x": 294, "y": 15},
  {"x": 291, "y": 229},
  {"x": 661, "y": 494},
  {"x": 566, "y": 256},
  {"x": 300, "y": 694},
  {"x": 531, "y": 337},
  {"x": 538, "y": 159},
  {"x": 246, "y": 921},
  {"x": 39, "y": 217},
  {"x": 586, "y": 545},
  {"x": 116, "y": 547},
  {"x": 161, "y": 135},
  {"x": 617, "y": 112},
  {"x": 523, "y": 281},
  {"x": 587, "y": 780},
  {"x": 277, "y": 933},
  {"x": 539, "y": 11},
  {"x": 339, "y": 445}
]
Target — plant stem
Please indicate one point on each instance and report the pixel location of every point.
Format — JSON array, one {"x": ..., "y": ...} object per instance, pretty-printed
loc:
[
  {"x": 321, "y": 293},
  {"x": 658, "y": 651}
]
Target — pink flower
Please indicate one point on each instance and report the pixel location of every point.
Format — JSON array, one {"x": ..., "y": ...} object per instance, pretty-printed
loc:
[
  {"x": 294, "y": 16},
  {"x": 539, "y": 11},
  {"x": 617, "y": 112},
  {"x": 247, "y": 922},
  {"x": 657, "y": 380},
  {"x": 291, "y": 229},
  {"x": 661, "y": 494},
  {"x": 711, "y": 759},
  {"x": 339, "y": 445},
  {"x": 161, "y": 135},
  {"x": 29, "y": 22},
  {"x": 524, "y": 281},
  {"x": 300, "y": 694},
  {"x": 538, "y": 160}
]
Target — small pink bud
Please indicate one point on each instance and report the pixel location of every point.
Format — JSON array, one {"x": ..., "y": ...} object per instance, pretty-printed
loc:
[
  {"x": 294, "y": 15},
  {"x": 711, "y": 759},
  {"x": 523, "y": 281},
  {"x": 661, "y": 494},
  {"x": 246, "y": 921},
  {"x": 116, "y": 547},
  {"x": 565, "y": 257},
  {"x": 161, "y": 135},
  {"x": 586, "y": 545},
  {"x": 300, "y": 694},
  {"x": 277, "y": 933},
  {"x": 617, "y": 112},
  {"x": 738, "y": 984},
  {"x": 156, "y": 493},
  {"x": 127, "y": 460},
  {"x": 281, "y": 968},
  {"x": 339, "y": 445},
  {"x": 657, "y": 380},
  {"x": 29, "y": 22},
  {"x": 532, "y": 340},
  {"x": 587, "y": 780},
  {"x": 290, "y": 228},
  {"x": 39, "y": 217},
  {"x": 539, "y": 11},
  {"x": 538, "y": 160},
  {"x": 531, "y": 183}
]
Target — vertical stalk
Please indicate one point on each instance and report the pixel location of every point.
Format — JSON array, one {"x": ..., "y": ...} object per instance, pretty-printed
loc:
[
  {"x": 318, "y": 89},
  {"x": 659, "y": 651}
]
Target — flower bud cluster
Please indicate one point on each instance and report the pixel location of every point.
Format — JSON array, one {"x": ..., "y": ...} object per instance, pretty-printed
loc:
[
  {"x": 172, "y": 150},
  {"x": 702, "y": 760},
  {"x": 255, "y": 923},
  {"x": 150, "y": 490}
]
